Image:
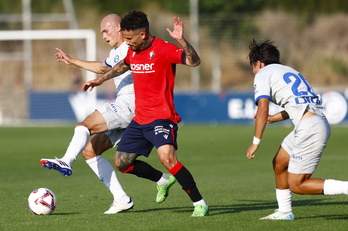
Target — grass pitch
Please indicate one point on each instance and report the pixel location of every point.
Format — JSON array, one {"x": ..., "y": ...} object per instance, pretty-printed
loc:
[{"x": 239, "y": 191}]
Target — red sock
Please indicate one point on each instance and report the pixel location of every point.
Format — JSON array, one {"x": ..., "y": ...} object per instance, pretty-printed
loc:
[{"x": 185, "y": 179}]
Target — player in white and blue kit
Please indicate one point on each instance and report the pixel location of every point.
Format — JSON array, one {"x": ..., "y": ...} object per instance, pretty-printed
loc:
[
  {"x": 107, "y": 123},
  {"x": 301, "y": 150}
]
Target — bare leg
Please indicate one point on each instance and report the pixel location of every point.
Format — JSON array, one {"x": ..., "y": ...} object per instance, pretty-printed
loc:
[
  {"x": 302, "y": 184},
  {"x": 280, "y": 167},
  {"x": 168, "y": 157}
]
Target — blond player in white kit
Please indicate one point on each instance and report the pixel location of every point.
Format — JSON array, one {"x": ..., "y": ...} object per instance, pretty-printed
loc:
[
  {"x": 107, "y": 123},
  {"x": 301, "y": 150}
]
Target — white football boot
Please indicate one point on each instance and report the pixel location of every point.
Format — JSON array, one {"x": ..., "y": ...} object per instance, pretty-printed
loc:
[
  {"x": 120, "y": 207},
  {"x": 279, "y": 216}
]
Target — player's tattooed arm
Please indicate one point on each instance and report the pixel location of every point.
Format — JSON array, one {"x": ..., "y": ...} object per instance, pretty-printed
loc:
[
  {"x": 124, "y": 160},
  {"x": 120, "y": 68},
  {"x": 192, "y": 58}
]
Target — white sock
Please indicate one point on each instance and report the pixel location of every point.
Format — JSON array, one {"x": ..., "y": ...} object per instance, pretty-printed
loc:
[
  {"x": 335, "y": 187},
  {"x": 164, "y": 179},
  {"x": 201, "y": 202},
  {"x": 284, "y": 200},
  {"x": 77, "y": 144},
  {"x": 105, "y": 172}
]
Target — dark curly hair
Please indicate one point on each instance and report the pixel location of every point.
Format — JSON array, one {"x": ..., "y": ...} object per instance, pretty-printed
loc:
[
  {"x": 264, "y": 52},
  {"x": 135, "y": 20}
]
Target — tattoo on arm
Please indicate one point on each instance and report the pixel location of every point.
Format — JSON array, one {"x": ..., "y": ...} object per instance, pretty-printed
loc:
[
  {"x": 191, "y": 54},
  {"x": 124, "y": 160},
  {"x": 120, "y": 68}
]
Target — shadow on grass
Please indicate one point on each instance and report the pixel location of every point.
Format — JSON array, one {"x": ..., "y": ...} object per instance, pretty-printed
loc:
[
  {"x": 329, "y": 217},
  {"x": 256, "y": 205},
  {"x": 63, "y": 214},
  {"x": 175, "y": 209}
]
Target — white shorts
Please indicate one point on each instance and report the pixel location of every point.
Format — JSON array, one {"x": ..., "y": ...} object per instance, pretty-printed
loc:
[
  {"x": 305, "y": 144},
  {"x": 117, "y": 117},
  {"x": 115, "y": 136}
]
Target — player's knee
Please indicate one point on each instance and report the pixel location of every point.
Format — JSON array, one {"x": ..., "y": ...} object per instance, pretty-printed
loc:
[
  {"x": 279, "y": 167},
  {"x": 296, "y": 189},
  {"x": 118, "y": 167},
  {"x": 124, "y": 161},
  {"x": 86, "y": 125},
  {"x": 88, "y": 153},
  {"x": 167, "y": 156},
  {"x": 122, "y": 167},
  {"x": 169, "y": 163}
]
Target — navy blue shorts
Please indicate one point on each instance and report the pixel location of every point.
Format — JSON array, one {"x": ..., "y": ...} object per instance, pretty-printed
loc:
[{"x": 140, "y": 139}]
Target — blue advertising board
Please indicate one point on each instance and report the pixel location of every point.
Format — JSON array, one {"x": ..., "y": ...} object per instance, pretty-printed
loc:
[{"x": 204, "y": 108}]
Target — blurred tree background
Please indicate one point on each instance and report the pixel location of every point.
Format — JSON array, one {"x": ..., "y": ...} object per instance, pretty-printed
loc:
[{"x": 312, "y": 35}]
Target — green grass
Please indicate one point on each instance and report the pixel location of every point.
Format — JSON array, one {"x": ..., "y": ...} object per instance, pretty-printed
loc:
[{"x": 238, "y": 190}]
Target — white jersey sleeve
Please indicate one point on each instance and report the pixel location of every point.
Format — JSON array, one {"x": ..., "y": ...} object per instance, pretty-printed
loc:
[
  {"x": 124, "y": 82},
  {"x": 287, "y": 88}
]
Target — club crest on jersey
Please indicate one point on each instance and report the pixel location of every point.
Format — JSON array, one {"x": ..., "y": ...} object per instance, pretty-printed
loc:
[
  {"x": 117, "y": 59},
  {"x": 151, "y": 54},
  {"x": 255, "y": 89}
]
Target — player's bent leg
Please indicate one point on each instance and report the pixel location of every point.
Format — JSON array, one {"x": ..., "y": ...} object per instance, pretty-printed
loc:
[
  {"x": 280, "y": 166},
  {"x": 302, "y": 184},
  {"x": 76, "y": 145},
  {"x": 283, "y": 194},
  {"x": 95, "y": 123},
  {"x": 105, "y": 172},
  {"x": 128, "y": 163},
  {"x": 82, "y": 131},
  {"x": 168, "y": 158},
  {"x": 124, "y": 161},
  {"x": 96, "y": 146}
]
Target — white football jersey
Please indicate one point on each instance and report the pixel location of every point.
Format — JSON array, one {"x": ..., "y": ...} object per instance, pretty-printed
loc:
[
  {"x": 124, "y": 82},
  {"x": 287, "y": 88}
]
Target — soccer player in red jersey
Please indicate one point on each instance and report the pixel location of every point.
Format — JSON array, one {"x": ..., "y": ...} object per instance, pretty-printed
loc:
[{"x": 153, "y": 62}]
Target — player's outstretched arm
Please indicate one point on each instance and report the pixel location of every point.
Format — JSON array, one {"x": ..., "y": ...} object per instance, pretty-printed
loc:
[
  {"x": 93, "y": 66},
  {"x": 61, "y": 56},
  {"x": 120, "y": 68},
  {"x": 192, "y": 58}
]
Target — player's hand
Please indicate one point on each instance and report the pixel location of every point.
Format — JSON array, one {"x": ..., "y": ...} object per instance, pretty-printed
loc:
[
  {"x": 62, "y": 57},
  {"x": 251, "y": 150},
  {"x": 91, "y": 84},
  {"x": 178, "y": 31}
]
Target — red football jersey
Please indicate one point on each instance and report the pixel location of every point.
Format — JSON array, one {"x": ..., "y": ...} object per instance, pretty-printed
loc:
[{"x": 153, "y": 72}]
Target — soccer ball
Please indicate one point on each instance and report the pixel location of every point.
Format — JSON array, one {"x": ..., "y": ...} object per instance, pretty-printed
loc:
[{"x": 42, "y": 201}]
